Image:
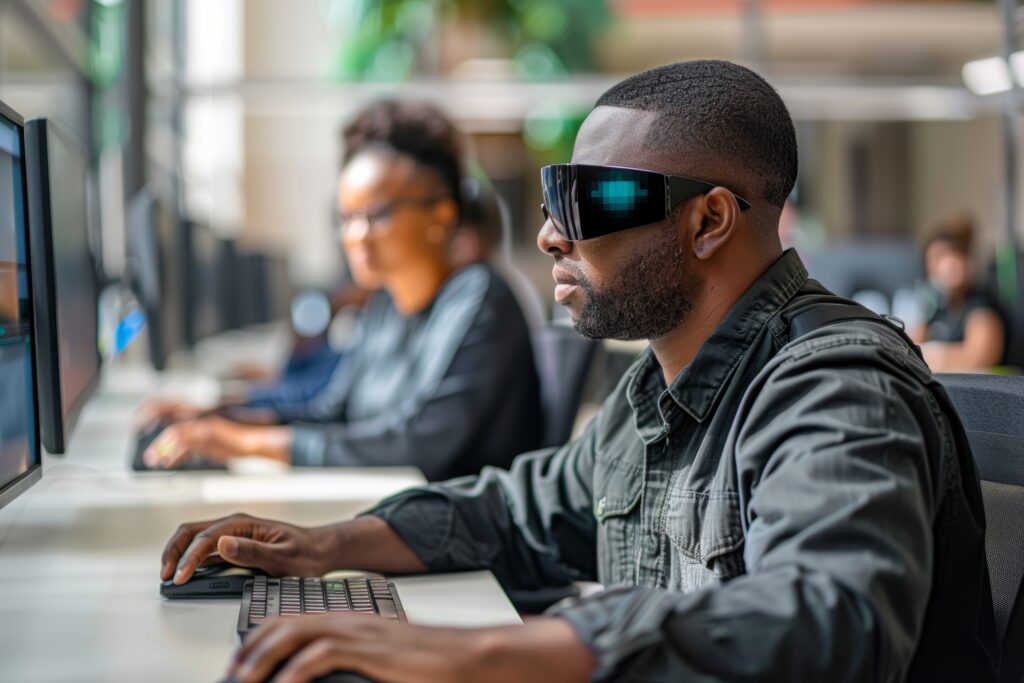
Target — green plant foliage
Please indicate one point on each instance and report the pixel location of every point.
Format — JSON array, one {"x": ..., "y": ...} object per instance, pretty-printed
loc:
[{"x": 384, "y": 39}]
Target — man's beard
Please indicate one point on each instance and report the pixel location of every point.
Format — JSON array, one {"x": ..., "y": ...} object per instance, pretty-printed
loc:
[{"x": 652, "y": 295}]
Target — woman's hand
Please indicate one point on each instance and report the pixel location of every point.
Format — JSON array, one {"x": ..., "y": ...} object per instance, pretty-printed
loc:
[
  {"x": 164, "y": 410},
  {"x": 216, "y": 439}
]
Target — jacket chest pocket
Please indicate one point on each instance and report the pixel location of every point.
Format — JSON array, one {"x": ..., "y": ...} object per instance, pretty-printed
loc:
[
  {"x": 617, "y": 487},
  {"x": 705, "y": 539}
]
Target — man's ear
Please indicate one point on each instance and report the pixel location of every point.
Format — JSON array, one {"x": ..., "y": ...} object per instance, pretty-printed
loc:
[{"x": 715, "y": 217}]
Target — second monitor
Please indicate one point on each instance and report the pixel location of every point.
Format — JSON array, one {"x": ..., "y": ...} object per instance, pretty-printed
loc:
[{"x": 64, "y": 279}]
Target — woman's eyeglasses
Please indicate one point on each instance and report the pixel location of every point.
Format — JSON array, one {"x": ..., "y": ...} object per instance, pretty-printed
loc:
[{"x": 379, "y": 219}]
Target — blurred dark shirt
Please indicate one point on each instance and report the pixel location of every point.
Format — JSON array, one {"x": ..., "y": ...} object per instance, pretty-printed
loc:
[
  {"x": 302, "y": 379},
  {"x": 948, "y": 324},
  {"x": 449, "y": 389}
]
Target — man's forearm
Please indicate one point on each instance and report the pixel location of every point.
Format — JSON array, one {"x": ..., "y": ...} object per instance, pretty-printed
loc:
[
  {"x": 370, "y": 544},
  {"x": 545, "y": 649}
]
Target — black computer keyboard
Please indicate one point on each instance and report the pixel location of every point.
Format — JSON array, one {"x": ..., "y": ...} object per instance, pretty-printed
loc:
[
  {"x": 264, "y": 597},
  {"x": 148, "y": 436}
]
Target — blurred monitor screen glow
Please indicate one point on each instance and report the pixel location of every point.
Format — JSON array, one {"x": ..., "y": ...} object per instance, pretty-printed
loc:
[{"x": 19, "y": 448}]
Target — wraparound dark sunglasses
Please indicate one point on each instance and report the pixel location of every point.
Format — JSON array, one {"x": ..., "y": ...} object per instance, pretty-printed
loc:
[{"x": 584, "y": 201}]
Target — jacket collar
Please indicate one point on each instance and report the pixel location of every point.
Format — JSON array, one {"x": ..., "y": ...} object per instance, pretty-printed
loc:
[{"x": 699, "y": 384}]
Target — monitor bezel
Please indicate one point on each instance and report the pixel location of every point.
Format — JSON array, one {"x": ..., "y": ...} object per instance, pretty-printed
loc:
[
  {"x": 34, "y": 473},
  {"x": 56, "y": 427}
]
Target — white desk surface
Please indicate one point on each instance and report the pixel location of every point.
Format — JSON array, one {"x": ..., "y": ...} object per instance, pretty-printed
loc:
[{"x": 79, "y": 553}]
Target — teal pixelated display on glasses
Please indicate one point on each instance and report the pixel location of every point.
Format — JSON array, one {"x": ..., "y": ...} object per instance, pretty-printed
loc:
[{"x": 618, "y": 195}]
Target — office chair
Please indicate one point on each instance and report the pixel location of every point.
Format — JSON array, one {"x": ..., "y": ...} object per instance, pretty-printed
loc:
[
  {"x": 564, "y": 359},
  {"x": 992, "y": 411}
]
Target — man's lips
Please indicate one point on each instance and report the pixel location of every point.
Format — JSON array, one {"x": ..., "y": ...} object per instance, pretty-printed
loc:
[
  {"x": 563, "y": 276},
  {"x": 565, "y": 283}
]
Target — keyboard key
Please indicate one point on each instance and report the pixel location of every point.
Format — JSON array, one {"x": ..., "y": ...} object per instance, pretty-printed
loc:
[{"x": 387, "y": 609}]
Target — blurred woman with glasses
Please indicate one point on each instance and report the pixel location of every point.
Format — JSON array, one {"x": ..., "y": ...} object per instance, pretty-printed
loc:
[{"x": 441, "y": 375}]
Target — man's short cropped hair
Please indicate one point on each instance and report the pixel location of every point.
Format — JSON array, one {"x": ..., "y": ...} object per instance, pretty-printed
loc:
[{"x": 721, "y": 108}]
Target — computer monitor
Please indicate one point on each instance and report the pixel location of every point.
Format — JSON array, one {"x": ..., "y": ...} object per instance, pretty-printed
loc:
[
  {"x": 210, "y": 292},
  {"x": 63, "y": 279},
  {"x": 156, "y": 272},
  {"x": 20, "y": 462},
  {"x": 263, "y": 283}
]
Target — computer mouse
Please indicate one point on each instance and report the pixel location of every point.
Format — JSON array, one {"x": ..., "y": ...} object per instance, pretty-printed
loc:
[{"x": 214, "y": 580}]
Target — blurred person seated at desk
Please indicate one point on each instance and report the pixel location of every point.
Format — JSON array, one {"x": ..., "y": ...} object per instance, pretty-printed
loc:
[
  {"x": 307, "y": 370},
  {"x": 965, "y": 330},
  {"x": 761, "y": 503},
  {"x": 441, "y": 375},
  {"x": 312, "y": 360}
]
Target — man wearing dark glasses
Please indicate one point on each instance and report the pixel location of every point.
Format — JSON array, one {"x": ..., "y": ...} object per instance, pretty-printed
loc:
[{"x": 777, "y": 490}]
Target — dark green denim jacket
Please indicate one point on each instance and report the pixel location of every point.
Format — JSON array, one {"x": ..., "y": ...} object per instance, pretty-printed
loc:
[{"x": 791, "y": 511}]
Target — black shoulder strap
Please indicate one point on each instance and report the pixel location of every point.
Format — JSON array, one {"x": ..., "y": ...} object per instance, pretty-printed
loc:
[{"x": 814, "y": 317}]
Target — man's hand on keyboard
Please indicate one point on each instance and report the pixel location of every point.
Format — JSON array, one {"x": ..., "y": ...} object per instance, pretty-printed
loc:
[{"x": 301, "y": 648}]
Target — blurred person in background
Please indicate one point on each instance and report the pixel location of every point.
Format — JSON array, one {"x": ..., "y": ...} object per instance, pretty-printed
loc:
[
  {"x": 441, "y": 375},
  {"x": 312, "y": 360},
  {"x": 964, "y": 329}
]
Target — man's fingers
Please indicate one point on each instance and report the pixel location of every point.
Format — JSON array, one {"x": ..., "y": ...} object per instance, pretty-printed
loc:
[
  {"x": 177, "y": 545},
  {"x": 203, "y": 544},
  {"x": 277, "y": 644},
  {"x": 246, "y": 552},
  {"x": 316, "y": 659}
]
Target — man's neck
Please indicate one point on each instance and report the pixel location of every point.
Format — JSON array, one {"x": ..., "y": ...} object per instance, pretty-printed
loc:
[{"x": 678, "y": 348}]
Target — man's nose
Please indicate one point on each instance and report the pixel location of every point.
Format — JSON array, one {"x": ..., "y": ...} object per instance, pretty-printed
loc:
[{"x": 550, "y": 241}]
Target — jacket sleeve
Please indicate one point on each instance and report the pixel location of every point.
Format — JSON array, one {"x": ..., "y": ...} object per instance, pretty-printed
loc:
[
  {"x": 532, "y": 525},
  {"x": 838, "y": 500}
]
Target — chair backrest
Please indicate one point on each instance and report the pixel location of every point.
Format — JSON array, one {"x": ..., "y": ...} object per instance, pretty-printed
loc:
[
  {"x": 1004, "y": 546},
  {"x": 992, "y": 411},
  {"x": 564, "y": 359}
]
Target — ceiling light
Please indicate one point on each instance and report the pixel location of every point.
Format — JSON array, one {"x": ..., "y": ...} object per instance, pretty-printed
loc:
[{"x": 988, "y": 76}]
